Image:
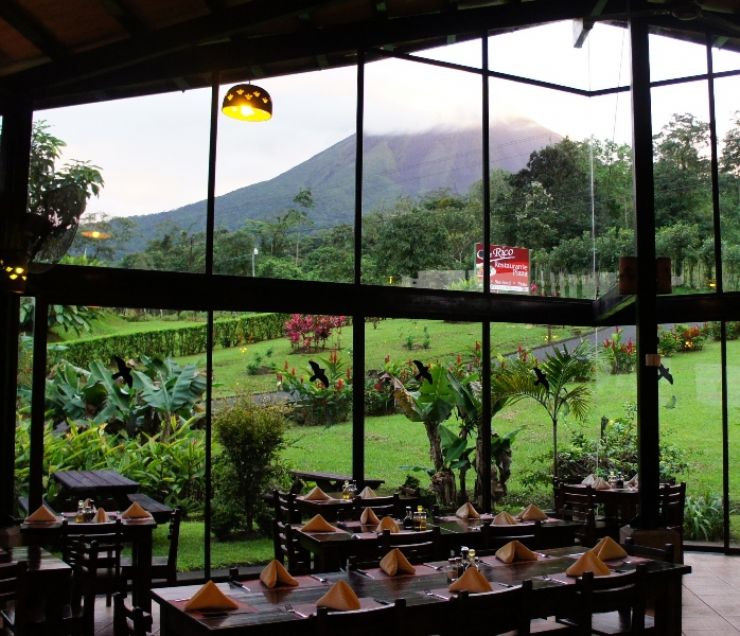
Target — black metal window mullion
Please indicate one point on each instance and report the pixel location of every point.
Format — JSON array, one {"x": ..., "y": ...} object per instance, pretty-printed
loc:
[{"x": 210, "y": 224}]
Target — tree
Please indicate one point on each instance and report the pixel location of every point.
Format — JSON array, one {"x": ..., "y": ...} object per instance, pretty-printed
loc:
[
  {"x": 44, "y": 176},
  {"x": 682, "y": 186},
  {"x": 564, "y": 392},
  {"x": 730, "y": 161}
]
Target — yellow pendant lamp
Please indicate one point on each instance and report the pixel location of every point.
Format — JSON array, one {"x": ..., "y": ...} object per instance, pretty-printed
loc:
[{"x": 247, "y": 102}]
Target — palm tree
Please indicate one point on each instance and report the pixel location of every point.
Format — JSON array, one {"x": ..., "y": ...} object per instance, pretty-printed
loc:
[{"x": 558, "y": 387}]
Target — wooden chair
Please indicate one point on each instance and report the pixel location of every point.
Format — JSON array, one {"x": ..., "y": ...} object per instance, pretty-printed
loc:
[
  {"x": 560, "y": 600},
  {"x": 109, "y": 546},
  {"x": 499, "y": 611},
  {"x": 129, "y": 621},
  {"x": 387, "y": 620},
  {"x": 164, "y": 569},
  {"x": 617, "y": 604},
  {"x": 88, "y": 556},
  {"x": 419, "y": 546},
  {"x": 578, "y": 505},
  {"x": 381, "y": 506},
  {"x": 12, "y": 577},
  {"x": 285, "y": 544},
  {"x": 672, "y": 502},
  {"x": 495, "y": 537}
]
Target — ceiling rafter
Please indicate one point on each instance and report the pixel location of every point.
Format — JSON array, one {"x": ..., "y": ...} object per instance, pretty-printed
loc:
[
  {"x": 32, "y": 29},
  {"x": 241, "y": 53},
  {"x": 152, "y": 44},
  {"x": 124, "y": 16}
]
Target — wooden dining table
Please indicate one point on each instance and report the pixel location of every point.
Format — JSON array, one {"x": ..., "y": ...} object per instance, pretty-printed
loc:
[
  {"x": 289, "y": 610},
  {"x": 330, "y": 550},
  {"x": 136, "y": 532},
  {"x": 102, "y": 486}
]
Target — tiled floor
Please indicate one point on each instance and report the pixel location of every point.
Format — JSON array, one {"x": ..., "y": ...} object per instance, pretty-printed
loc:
[{"x": 711, "y": 598}]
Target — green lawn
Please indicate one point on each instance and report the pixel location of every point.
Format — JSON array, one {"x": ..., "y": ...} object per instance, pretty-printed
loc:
[{"x": 389, "y": 337}]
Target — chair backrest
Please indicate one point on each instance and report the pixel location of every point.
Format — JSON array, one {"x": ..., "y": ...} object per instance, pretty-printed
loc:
[
  {"x": 624, "y": 592},
  {"x": 129, "y": 621},
  {"x": 365, "y": 622},
  {"x": 495, "y": 537},
  {"x": 578, "y": 504},
  {"x": 10, "y": 573},
  {"x": 424, "y": 545},
  {"x": 672, "y": 502},
  {"x": 500, "y": 612},
  {"x": 285, "y": 507},
  {"x": 381, "y": 505}
]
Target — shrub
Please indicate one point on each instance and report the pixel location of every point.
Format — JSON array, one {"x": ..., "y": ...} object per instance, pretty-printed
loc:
[
  {"x": 703, "y": 518},
  {"x": 683, "y": 338},
  {"x": 669, "y": 342},
  {"x": 169, "y": 470},
  {"x": 615, "y": 451},
  {"x": 712, "y": 329},
  {"x": 622, "y": 356},
  {"x": 313, "y": 402},
  {"x": 308, "y": 332},
  {"x": 170, "y": 341},
  {"x": 250, "y": 439}
]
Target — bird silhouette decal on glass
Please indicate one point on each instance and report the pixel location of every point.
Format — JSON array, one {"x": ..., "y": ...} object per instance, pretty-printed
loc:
[
  {"x": 541, "y": 379},
  {"x": 423, "y": 372},
  {"x": 124, "y": 372},
  {"x": 665, "y": 373},
  {"x": 318, "y": 374}
]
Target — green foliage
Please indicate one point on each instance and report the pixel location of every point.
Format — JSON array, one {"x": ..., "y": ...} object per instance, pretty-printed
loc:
[
  {"x": 622, "y": 357},
  {"x": 614, "y": 451},
  {"x": 169, "y": 470},
  {"x": 682, "y": 339},
  {"x": 162, "y": 393},
  {"x": 250, "y": 438},
  {"x": 703, "y": 518},
  {"x": 44, "y": 176},
  {"x": 75, "y": 318},
  {"x": 175, "y": 341},
  {"x": 315, "y": 404}
]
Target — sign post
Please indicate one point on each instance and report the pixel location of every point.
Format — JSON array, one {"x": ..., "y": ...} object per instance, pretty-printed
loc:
[{"x": 509, "y": 267}]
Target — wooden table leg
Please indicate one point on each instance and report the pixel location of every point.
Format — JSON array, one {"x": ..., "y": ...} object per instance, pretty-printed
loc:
[{"x": 141, "y": 559}]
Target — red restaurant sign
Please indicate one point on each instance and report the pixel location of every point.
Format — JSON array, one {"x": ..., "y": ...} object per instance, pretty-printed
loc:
[{"x": 509, "y": 267}]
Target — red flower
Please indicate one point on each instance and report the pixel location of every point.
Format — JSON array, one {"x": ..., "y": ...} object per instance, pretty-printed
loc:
[{"x": 340, "y": 384}]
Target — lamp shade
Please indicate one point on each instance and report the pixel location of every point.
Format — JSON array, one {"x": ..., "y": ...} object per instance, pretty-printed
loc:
[{"x": 247, "y": 102}]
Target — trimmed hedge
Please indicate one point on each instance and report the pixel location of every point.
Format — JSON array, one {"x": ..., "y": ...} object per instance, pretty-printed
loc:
[{"x": 174, "y": 341}]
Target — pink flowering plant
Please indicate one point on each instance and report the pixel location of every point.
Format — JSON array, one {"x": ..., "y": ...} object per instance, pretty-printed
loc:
[
  {"x": 310, "y": 333},
  {"x": 313, "y": 403}
]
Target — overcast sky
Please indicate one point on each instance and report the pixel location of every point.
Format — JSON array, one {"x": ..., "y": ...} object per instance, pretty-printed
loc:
[{"x": 153, "y": 151}]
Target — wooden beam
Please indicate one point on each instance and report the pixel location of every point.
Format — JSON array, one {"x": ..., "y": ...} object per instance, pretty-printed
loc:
[
  {"x": 152, "y": 44},
  {"x": 124, "y": 16},
  {"x": 340, "y": 42},
  {"x": 75, "y": 285},
  {"x": 32, "y": 29}
]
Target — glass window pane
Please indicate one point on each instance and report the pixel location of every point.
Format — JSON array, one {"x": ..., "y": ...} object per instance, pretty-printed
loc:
[
  {"x": 422, "y": 171},
  {"x": 671, "y": 58},
  {"x": 151, "y": 209},
  {"x": 691, "y": 353},
  {"x": 285, "y": 187},
  {"x": 683, "y": 189},
  {"x": 121, "y": 396}
]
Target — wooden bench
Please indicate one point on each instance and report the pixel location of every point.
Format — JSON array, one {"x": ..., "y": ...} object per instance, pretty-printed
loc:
[
  {"x": 161, "y": 512},
  {"x": 332, "y": 482}
]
